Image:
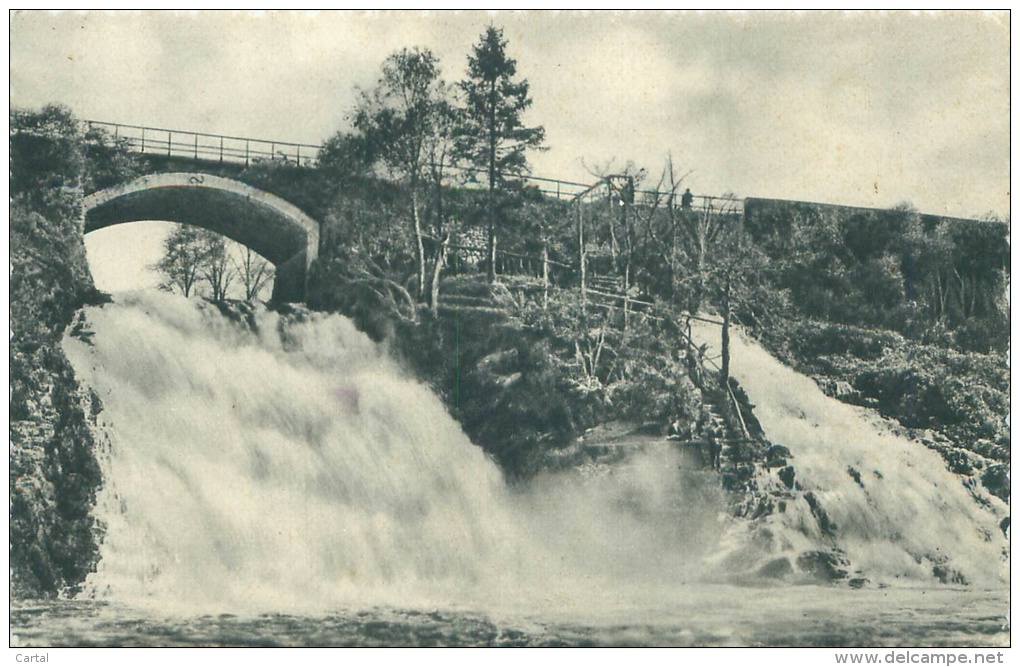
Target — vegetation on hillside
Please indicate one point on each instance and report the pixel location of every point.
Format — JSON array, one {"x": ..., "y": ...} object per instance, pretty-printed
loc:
[
  {"x": 934, "y": 280},
  {"x": 908, "y": 310}
]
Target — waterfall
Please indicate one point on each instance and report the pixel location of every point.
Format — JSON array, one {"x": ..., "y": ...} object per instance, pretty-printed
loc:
[
  {"x": 889, "y": 503},
  {"x": 260, "y": 461},
  {"x": 264, "y": 461}
]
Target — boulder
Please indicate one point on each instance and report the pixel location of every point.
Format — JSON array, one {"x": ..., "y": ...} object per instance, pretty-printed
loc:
[
  {"x": 780, "y": 568},
  {"x": 826, "y": 566},
  {"x": 776, "y": 456},
  {"x": 787, "y": 474}
]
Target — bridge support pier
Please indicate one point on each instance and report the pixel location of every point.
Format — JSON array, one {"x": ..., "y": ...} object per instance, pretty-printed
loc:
[{"x": 291, "y": 279}]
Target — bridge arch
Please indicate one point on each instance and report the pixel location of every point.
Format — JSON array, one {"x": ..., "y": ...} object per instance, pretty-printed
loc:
[{"x": 269, "y": 225}]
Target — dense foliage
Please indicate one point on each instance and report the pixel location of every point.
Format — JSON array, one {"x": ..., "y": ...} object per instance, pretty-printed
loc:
[
  {"x": 406, "y": 120},
  {"x": 932, "y": 279}
]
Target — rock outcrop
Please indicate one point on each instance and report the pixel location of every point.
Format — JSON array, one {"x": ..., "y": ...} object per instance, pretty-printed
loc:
[{"x": 54, "y": 473}]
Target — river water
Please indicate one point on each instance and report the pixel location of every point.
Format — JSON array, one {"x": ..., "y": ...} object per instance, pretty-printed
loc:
[
  {"x": 278, "y": 481},
  {"x": 703, "y": 615}
]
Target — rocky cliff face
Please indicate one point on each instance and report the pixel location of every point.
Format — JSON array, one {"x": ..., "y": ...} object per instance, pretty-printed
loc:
[{"x": 53, "y": 473}]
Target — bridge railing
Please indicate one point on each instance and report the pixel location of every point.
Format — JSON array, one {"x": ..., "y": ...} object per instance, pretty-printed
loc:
[
  {"x": 205, "y": 147},
  {"x": 603, "y": 189}
]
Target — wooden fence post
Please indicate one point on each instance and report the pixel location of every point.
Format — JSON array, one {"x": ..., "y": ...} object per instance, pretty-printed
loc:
[
  {"x": 580, "y": 246},
  {"x": 545, "y": 275},
  {"x": 725, "y": 370}
]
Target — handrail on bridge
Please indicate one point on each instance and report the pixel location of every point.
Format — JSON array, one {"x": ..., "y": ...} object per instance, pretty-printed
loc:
[
  {"x": 204, "y": 146},
  {"x": 197, "y": 145}
]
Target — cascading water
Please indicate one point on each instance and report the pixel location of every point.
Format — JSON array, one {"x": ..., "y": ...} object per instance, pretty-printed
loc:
[
  {"x": 285, "y": 463},
  {"x": 271, "y": 462},
  {"x": 887, "y": 502}
]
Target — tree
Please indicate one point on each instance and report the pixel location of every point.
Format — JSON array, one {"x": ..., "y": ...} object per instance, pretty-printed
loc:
[
  {"x": 440, "y": 147},
  {"x": 621, "y": 188},
  {"x": 188, "y": 252},
  {"x": 254, "y": 271},
  {"x": 659, "y": 217},
  {"x": 398, "y": 118},
  {"x": 217, "y": 269},
  {"x": 699, "y": 233},
  {"x": 491, "y": 135},
  {"x": 108, "y": 160},
  {"x": 365, "y": 252},
  {"x": 346, "y": 155},
  {"x": 729, "y": 275},
  {"x": 46, "y": 161}
]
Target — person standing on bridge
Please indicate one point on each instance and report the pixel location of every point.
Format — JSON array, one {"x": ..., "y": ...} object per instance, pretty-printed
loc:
[{"x": 686, "y": 200}]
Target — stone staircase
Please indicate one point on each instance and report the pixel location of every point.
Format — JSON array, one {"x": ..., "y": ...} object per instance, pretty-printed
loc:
[{"x": 721, "y": 429}]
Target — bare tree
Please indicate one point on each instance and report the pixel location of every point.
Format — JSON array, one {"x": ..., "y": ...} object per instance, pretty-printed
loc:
[
  {"x": 216, "y": 269},
  {"x": 663, "y": 239},
  {"x": 185, "y": 252},
  {"x": 363, "y": 271},
  {"x": 254, "y": 271}
]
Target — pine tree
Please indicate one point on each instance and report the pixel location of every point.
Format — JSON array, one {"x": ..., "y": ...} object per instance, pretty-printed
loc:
[{"x": 492, "y": 136}]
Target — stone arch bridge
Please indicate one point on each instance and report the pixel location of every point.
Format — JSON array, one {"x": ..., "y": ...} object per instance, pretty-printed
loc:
[{"x": 269, "y": 225}]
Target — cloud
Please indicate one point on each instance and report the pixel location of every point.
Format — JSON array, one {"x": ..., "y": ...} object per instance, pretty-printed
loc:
[{"x": 862, "y": 108}]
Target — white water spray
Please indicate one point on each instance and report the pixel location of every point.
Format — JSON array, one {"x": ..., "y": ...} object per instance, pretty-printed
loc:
[
  {"x": 895, "y": 510},
  {"x": 293, "y": 467},
  {"x": 290, "y": 466}
]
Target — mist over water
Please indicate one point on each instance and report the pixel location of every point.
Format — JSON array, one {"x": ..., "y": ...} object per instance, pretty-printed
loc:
[{"x": 291, "y": 466}]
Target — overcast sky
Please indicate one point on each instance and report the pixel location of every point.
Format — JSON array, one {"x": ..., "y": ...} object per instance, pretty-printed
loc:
[{"x": 870, "y": 109}]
